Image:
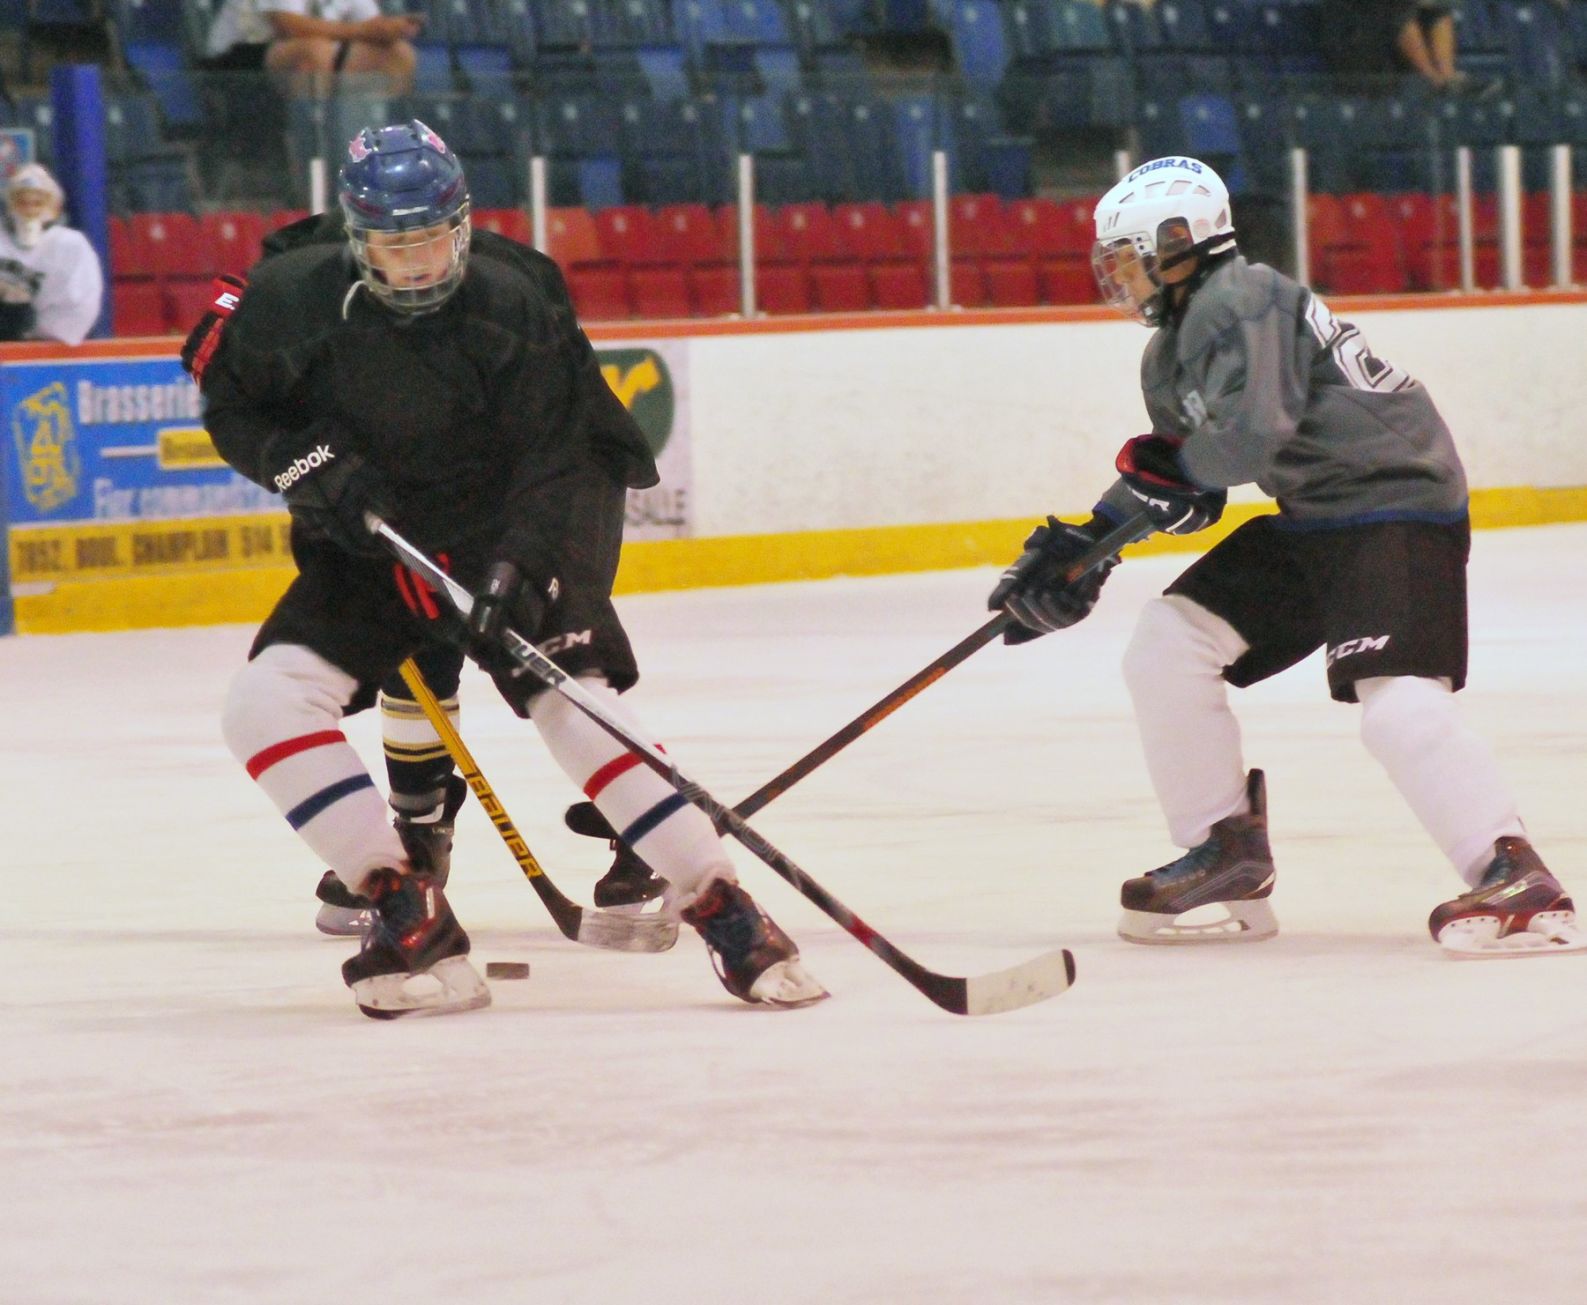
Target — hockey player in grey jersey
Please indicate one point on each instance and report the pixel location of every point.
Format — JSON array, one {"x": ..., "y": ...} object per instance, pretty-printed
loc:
[{"x": 1249, "y": 378}]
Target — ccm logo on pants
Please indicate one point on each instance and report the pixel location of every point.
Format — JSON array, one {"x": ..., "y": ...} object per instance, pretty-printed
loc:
[{"x": 1352, "y": 646}]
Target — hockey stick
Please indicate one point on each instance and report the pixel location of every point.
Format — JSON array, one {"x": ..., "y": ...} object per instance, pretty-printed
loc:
[
  {"x": 583, "y": 818},
  {"x": 621, "y": 933},
  {"x": 1021, "y": 985}
]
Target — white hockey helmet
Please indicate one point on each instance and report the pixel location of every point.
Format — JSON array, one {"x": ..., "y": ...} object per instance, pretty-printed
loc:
[
  {"x": 1162, "y": 213},
  {"x": 34, "y": 201}
]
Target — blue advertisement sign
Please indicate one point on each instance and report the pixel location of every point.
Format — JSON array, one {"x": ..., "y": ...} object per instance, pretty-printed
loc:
[{"x": 113, "y": 440}]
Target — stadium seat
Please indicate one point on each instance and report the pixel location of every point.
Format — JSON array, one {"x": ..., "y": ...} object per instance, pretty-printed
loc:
[
  {"x": 572, "y": 239},
  {"x": 869, "y": 231},
  {"x": 233, "y": 239},
  {"x": 1011, "y": 282},
  {"x": 978, "y": 226},
  {"x": 137, "y": 308},
  {"x": 626, "y": 235},
  {"x": 173, "y": 244},
  {"x": 770, "y": 244},
  {"x": 840, "y": 288},
  {"x": 809, "y": 233},
  {"x": 713, "y": 290},
  {"x": 686, "y": 234},
  {"x": 600, "y": 294},
  {"x": 782, "y": 288},
  {"x": 657, "y": 291},
  {"x": 510, "y": 222},
  {"x": 899, "y": 285},
  {"x": 1066, "y": 280}
]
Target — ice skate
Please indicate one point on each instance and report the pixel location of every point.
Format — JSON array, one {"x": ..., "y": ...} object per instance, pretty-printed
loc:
[
  {"x": 428, "y": 843},
  {"x": 1519, "y": 909},
  {"x": 756, "y": 961},
  {"x": 629, "y": 884},
  {"x": 414, "y": 960},
  {"x": 1231, "y": 874},
  {"x": 343, "y": 913}
]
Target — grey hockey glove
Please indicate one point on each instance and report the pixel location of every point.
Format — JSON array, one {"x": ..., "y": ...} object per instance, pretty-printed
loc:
[
  {"x": 1152, "y": 472},
  {"x": 1035, "y": 590},
  {"x": 330, "y": 491}
]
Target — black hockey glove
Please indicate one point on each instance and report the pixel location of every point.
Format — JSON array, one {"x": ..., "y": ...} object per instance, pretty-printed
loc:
[
  {"x": 204, "y": 339},
  {"x": 330, "y": 491},
  {"x": 1036, "y": 590},
  {"x": 1152, "y": 472},
  {"x": 507, "y": 600},
  {"x": 17, "y": 320}
]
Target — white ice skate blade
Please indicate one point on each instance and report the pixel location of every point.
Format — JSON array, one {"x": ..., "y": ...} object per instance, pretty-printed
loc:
[
  {"x": 1477, "y": 937},
  {"x": 1216, "y": 922},
  {"x": 617, "y": 930},
  {"x": 342, "y": 921},
  {"x": 787, "y": 984},
  {"x": 447, "y": 986}
]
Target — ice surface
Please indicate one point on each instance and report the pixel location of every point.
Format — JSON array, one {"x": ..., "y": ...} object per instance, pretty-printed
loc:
[{"x": 191, "y": 1109}]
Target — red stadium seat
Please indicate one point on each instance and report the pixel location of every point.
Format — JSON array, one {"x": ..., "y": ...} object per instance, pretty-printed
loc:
[
  {"x": 626, "y": 233},
  {"x": 174, "y": 244},
  {"x": 600, "y": 294},
  {"x": 809, "y": 233},
  {"x": 869, "y": 231},
  {"x": 572, "y": 238},
  {"x": 782, "y": 288},
  {"x": 510, "y": 222},
  {"x": 1011, "y": 282},
  {"x": 978, "y": 226},
  {"x": 713, "y": 290},
  {"x": 129, "y": 258},
  {"x": 657, "y": 291},
  {"x": 686, "y": 234},
  {"x": 1040, "y": 227},
  {"x": 770, "y": 247},
  {"x": 233, "y": 240},
  {"x": 899, "y": 285},
  {"x": 967, "y": 284},
  {"x": 137, "y": 307},
  {"x": 840, "y": 288},
  {"x": 185, "y": 301},
  {"x": 918, "y": 223},
  {"x": 1067, "y": 280}
]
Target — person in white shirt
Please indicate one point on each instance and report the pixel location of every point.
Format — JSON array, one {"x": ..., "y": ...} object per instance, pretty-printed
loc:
[
  {"x": 308, "y": 41},
  {"x": 51, "y": 284}
]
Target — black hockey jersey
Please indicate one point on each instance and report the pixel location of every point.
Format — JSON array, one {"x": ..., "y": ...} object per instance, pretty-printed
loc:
[{"x": 479, "y": 415}]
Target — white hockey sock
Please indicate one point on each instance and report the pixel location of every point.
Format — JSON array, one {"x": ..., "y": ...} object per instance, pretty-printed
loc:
[
  {"x": 1446, "y": 773},
  {"x": 281, "y": 720},
  {"x": 1173, "y": 668},
  {"x": 676, "y": 838}
]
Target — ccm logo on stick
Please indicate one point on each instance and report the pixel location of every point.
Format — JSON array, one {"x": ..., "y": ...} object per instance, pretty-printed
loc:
[
  {"x": 1352, "y": 646},
  {"x": 302, "y": 466}
]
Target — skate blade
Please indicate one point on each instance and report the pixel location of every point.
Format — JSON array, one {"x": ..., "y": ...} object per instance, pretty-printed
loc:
[
  {"x": 447, "y": 986},
  {"x": 787, "y": 985},
  {"x": 617, "y": 932},
  {"x": 1234, "y": 922},
  {"x": 342, "y": 921},
  {"x": 1478, "y": 937}
]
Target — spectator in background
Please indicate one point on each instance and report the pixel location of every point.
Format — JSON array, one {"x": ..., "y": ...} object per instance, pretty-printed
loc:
[
  {"x": 307, "y": 42},
  {"x": 51, "y": 284},
  {"x": 1368, "y": 41}
]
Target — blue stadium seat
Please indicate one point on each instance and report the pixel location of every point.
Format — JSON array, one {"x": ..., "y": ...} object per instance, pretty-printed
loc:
[
  {"x": 917, "y": 130},
  {"x": 980, "y": 44}
]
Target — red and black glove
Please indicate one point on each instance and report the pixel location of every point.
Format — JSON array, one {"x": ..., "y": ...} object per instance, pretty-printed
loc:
[
  {"x": 1153, "y": 474},
  {"x": 204, "y": 339}
]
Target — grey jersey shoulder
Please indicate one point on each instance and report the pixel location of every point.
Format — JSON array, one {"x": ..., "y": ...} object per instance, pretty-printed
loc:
[{"x": 1235, "y": 296}]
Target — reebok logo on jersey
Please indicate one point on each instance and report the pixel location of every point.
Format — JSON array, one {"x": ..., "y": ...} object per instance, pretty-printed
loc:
[
  {"x": 302, "y": 466},
  {"x": 1352, "y": 646}
]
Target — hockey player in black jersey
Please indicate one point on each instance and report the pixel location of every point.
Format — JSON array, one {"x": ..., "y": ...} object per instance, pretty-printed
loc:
[
  {"x": 1249, "y": 378},
  {"x": 450, "y": 391}
]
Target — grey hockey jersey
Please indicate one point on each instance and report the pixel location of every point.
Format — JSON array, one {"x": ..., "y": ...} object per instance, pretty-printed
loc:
[{"x": 1267, "y": 386}]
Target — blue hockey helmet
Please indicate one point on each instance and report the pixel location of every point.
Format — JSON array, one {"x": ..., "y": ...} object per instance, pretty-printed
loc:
[{"x": 406, "y": 204}]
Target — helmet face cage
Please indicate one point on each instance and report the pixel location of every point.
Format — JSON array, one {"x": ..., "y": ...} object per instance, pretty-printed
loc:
[
  {"x": 407, "y": 208},
  {"x": 1128, "y": 269}
]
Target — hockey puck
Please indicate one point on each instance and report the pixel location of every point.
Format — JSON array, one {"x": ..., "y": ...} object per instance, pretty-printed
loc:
[{"x": 506, "y": 969}]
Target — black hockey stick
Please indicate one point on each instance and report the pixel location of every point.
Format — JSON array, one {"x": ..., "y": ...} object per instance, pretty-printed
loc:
[
  {"x": 621, "y": 933},
  {"x": 1021, "y": 985},
  {"x": 583, "y": 818}
]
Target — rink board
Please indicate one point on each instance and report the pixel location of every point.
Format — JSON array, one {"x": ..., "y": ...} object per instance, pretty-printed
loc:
[{"x": 804, "y": 449}]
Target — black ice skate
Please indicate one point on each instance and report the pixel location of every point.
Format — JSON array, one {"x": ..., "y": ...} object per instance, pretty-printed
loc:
[
  {"x": 1232, "y": 871},
  {"x": 1519, "y": 909},
  {"x": 344, "y": 914},
  {"x": 414, "y": 960},
  {"x": 629, "y": 884},
  {"x": 756, "y": 961}
]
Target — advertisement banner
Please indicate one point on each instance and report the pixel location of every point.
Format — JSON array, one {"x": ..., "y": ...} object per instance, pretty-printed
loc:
[{"x": 108, "y": 470}]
